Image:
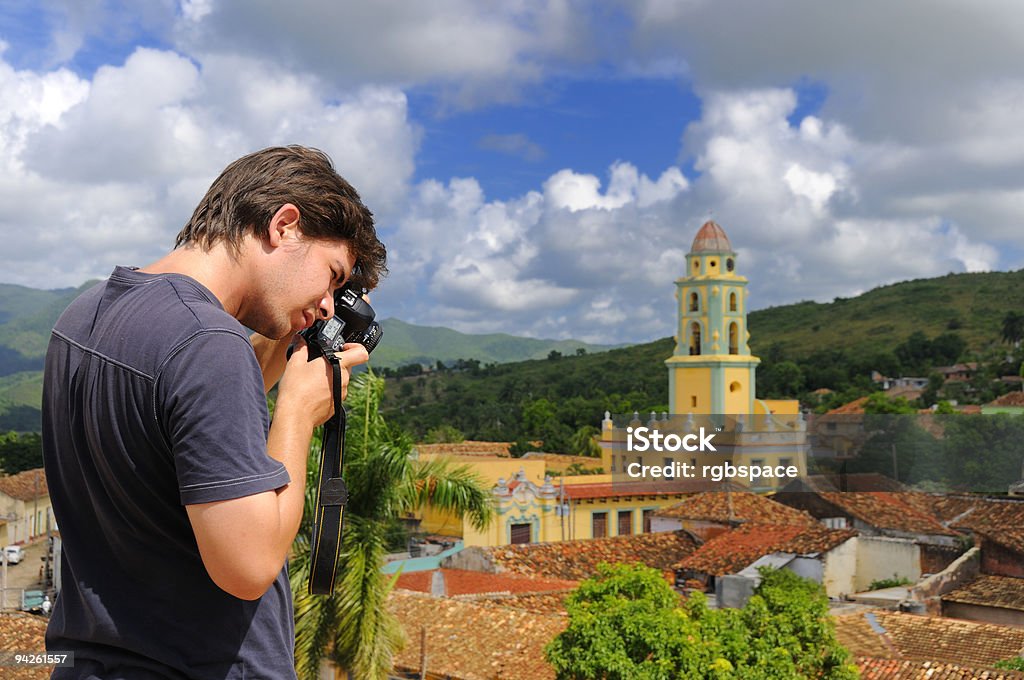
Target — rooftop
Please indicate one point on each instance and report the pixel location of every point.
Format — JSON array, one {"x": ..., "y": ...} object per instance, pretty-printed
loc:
[
  {"x": 664, "y": 487},
  {"x": 1015, "y": 398},
  {"x": 1004, "y": 592},
  {"x": 25, "y": 486},
  {"x": 895, "y": 635},
  {"x": 735, "y": 550},
  {"x": 577, "y": 560},
  {"x": 887, "y": 510},
  {"x": 472, "y": 641},
  {"x": 711, "y": 238},
  {"x": 463, "y": 582},
  {"x": 466, "y": 448},
  {"x": 903, "y": 669},
  {"x": 735, "y": 507},
  {"x": 21, "y": 632}
]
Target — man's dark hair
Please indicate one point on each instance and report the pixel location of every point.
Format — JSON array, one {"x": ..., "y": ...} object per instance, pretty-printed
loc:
[{"x": 250, "y": 190}]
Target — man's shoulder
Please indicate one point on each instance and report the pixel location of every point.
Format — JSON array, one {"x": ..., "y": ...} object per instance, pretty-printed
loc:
[{"x": 140, "y": 319}]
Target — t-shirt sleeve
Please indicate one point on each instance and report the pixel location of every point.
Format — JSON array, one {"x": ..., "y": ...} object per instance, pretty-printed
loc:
[{"x": 214, "y": 411}]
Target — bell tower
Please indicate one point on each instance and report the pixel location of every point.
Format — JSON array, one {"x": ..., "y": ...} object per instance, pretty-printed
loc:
[{"x": 711, "y": 369}]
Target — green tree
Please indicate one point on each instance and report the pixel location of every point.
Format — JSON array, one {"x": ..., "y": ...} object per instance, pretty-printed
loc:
[
  {"x": 627, "y": 623},
  {"x": 583, "y": 442},
  {"x": 444, "y": 434},
  {"x": 880, "y": 403},
  {"x": 20, "y": 452},
  {"x": 1013, "y": 328},
  {"x": 353, "y": 626},
  {"x": 982, "y": 453}
]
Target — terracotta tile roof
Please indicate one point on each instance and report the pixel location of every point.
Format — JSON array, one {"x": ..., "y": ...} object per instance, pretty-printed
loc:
[
  {"x": 1015, "y": 398},
  {"x": 974, "y": 513},
  {"x": 896, "y": 669},
  {"x": 1004, "y": 592},
  {"x": 854, "y": 407},
  {"x": 1009, "y": 538},
  {"x": 858, "y": 481},
  {"x": 711, "y": 238},
  {"x": 577, "y": 560},
  {"x": 895, "y": 635},
  {"x": 463, "y": 582},
  {"x": 25, "y": 486},
  {"x": 656, "y": 488},
  {"x": 559, "y": 461},
  {"x": 21, "y": 632},
  {"x": 887, "y": 510},
  {"x": 541, "y": 603},
  {"x": 735, "y": 550},
  {"x": 467, "y": 448},
  {"x": 736, "y": 507},
  {"x": 471, "y": 641}
]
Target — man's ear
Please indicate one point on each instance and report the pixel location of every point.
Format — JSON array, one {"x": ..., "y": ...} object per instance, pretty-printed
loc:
[{"x": 284, "y": 225}]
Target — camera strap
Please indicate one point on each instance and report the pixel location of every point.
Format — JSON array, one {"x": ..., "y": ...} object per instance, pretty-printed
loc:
[{"x": 332, "y": 494}]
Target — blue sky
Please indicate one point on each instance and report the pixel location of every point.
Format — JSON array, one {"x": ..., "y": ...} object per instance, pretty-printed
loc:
[{"x": 536, "y": 168}]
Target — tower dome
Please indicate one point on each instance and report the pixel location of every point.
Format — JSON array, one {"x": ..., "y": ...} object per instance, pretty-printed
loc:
[{"x": 711, "y": 239}]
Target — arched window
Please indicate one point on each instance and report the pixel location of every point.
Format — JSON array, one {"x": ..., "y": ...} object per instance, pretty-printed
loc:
[
  {"x": 734, "y": 347},
  {"x": 694, "y": 339},
  {"x": 732, "y": 302},
  {"x": 694, "y": 304}
]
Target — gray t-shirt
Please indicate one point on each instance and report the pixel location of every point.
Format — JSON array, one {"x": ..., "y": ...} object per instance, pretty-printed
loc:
[{"x": 153, "y": 400}]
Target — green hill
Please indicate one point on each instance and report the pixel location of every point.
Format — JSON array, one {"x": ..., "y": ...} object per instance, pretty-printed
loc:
[
  {"x": 971, "y": 305},
  {"x": 405, "y": 343}
]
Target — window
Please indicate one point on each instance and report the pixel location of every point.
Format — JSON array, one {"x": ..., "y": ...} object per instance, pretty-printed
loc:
[
  {"x": 735, "y": 386},
  {"x": 648, "y": 515},
  {"x": 521, "y": 533},
  {"x": 694, "y": 339},
  {"x": 694, "y": 302},
  {"x": 785, "y": 462},
  {"x": 693, "y": 402},
  {"x": 667, "y": 462},
  {"x": 625, "y": 522},
  {"x": 599, "y": 524},
  {"x": 729, "y": 264},
  {"x": 734, "y": 339},
  {"x": 835, "y": 522},
  {"x": 732, "y": 302}
]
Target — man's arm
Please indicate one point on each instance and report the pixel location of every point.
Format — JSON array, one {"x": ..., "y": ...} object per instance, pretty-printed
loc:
[
  {"x": 272, "y": 357},
  {"x": 244, "y": 541}
]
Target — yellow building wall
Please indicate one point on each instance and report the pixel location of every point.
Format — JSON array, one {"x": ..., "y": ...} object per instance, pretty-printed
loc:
[
  {"x": 692, "y": 383},
  {"x": 737, "y": 401},
  {"x": 782, "y": 407},
  {"x": 577, "y": 524},
  {"x": 489, "y": 470}
]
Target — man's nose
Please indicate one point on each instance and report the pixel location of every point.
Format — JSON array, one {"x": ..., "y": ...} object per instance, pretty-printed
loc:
[{"x": 326, "y": 308}]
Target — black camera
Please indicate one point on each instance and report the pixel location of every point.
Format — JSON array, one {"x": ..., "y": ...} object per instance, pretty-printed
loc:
[{"x": 352, "y": 322}]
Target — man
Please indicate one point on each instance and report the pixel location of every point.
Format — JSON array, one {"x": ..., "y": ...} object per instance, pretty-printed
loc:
[{"x": 177, "y": 502}]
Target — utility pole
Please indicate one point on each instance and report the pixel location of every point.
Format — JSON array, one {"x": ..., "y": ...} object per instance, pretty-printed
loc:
[{"x": 895, "y": 466}]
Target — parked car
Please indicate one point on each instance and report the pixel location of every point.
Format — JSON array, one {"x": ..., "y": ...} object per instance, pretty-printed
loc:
[{"x": 14, "y": 553}]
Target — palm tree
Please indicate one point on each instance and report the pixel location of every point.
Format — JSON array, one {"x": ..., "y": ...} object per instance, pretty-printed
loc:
[
  {"x": 353, "y": 627},
  {"x": 1013, "y": 328}
]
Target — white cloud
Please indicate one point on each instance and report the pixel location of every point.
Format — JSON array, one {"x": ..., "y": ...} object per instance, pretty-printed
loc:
[
  {"x": 105, "y": 171},
  {"x": 477, "y": 53}
]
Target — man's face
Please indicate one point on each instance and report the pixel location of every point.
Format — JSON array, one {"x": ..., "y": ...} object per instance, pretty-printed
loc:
[{"x": 297, "y": 286}]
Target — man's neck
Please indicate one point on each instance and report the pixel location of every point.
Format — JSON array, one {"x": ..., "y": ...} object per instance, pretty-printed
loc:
[{"x": 216, "y": 269}]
